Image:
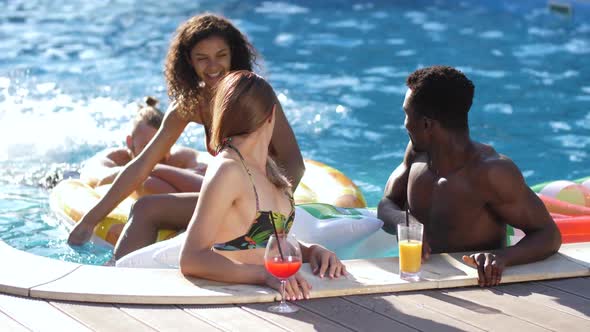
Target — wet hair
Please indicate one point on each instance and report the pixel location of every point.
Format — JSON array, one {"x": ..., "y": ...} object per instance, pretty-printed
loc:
[
  {"x": 149, "y": 114},
  {"x": 184, "y": 85},
  {"x": 243, "y": 102},
  {"x": 442, "y": 93}
]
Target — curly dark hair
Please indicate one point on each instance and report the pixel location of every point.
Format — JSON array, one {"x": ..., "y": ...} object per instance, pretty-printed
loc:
[
  {"x": 442, "y": 93},
  {"x": 183, "y": 83}
]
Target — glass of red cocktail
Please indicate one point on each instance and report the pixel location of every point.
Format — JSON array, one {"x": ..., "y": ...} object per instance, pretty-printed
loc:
[{"x": 282, "y": 259}]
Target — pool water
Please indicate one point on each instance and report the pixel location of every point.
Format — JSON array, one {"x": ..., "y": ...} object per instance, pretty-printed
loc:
[{"x": 71, "y": 75}]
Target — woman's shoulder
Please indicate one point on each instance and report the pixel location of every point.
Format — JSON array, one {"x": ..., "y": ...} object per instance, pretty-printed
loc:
[
  {"x": 225, "y": 167},
  {"x": 224, "y": 178}
]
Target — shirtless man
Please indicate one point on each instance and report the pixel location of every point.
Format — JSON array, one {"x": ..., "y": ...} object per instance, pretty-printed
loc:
[
  {"x": 464, "y": 192},
  {"x": 179, "y": 171}
]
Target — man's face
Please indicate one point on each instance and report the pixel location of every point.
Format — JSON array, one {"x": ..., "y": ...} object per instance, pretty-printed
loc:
[{"x": 414, "y": 123}]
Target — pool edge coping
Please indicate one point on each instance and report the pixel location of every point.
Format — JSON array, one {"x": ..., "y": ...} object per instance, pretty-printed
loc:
[{"x": 83, "y": 283}]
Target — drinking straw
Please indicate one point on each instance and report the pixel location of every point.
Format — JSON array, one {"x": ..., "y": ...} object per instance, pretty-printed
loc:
[
  {"x": 407, "y": 217},
  {"x": 274, "y": 228}
]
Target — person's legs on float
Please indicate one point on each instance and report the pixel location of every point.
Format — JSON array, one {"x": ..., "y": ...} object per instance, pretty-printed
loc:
[{"x": 152, "y": 213}]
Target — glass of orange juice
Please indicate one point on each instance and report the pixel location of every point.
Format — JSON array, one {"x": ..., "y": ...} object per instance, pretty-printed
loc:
[{"x": 410, "y": 250}]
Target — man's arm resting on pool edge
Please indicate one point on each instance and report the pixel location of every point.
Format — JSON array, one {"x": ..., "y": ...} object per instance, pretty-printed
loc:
[{"x": 518, "y": 206}]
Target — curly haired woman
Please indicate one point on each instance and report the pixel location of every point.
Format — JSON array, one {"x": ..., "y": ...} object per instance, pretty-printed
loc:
[{"x": 204, "y": 49}]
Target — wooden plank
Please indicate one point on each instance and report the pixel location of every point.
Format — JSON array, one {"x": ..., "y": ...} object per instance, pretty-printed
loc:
[
  {"x": 101, "y": 317},
  {"x": 38, "y": 315},
  {"x": 550, "y": 297},
  {"x": 472, "y": 313},
  {"x": 239, "y": 319},
  {"x": 166, "y": 318},
  {"x": 576, "y": 286},
  {"x": 410, "y": 313},
  {"x": 531, "y": 312},
  {"x": 352, "y": 315},
  {"x": 9, "y": 324},
  {"x": 303, "y": 320}
]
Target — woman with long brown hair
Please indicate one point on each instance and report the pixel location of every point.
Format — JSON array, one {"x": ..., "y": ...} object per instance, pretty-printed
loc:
[
  {"x": 204, "y": 49},
  {"x": 245, "y": 197}
]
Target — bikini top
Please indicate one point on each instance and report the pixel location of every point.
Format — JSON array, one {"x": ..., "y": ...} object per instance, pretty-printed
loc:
[{"x": 264, "y": 225}]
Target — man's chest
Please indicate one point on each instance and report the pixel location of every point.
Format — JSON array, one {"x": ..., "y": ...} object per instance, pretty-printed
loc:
[{"x": 438, "y": 200}]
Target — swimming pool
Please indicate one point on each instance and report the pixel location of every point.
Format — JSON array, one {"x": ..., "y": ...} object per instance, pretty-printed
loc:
[{"x": 70, "y": 76}]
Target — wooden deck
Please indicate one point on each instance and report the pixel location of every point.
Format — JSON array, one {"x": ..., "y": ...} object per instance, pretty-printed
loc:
[{"x": 553, "y": 305}]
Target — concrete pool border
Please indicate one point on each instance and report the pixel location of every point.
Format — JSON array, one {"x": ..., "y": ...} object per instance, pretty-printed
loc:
[{"x": 34, "y": 276}]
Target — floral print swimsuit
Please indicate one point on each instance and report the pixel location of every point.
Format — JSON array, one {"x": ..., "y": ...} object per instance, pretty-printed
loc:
[{"x": 265, "y": 224}]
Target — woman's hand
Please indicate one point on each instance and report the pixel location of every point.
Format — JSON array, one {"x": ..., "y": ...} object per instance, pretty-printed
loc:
[
  {"x": 296, "y": 287},
  {"x": 323, "y": 260},
  {"x": 81, "y": 233}
]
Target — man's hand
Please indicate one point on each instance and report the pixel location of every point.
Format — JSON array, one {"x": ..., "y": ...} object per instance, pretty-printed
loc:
[
  {"x": 489, "y": 268},
  {"x": 322, "y": 260},
  {"x": 80, "y": 234}
]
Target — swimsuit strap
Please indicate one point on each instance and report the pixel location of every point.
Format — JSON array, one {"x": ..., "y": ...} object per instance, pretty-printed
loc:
[
  {"x": 229, "y": 145},
  {"x": 292, "y": 201}
]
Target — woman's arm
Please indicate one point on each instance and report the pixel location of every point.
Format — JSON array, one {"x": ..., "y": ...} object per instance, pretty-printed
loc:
[
  {"x": 285, "y": 149},
  {"x": 131, "y": 177}
]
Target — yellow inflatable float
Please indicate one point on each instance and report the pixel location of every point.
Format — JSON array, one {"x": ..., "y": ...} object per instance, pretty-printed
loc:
[
  {"x": 71, "y": 199},
  {"x": 324, "y": 184}
]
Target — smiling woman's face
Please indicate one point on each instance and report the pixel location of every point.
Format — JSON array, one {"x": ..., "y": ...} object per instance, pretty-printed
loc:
[{"x": 211, "y": 59}]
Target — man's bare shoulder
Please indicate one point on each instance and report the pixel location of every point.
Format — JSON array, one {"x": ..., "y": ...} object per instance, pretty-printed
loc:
[
  {"x": 399, "y": 176},
  {"x": 497, "y": 174},
  {"x": 489, "y": 160}
]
